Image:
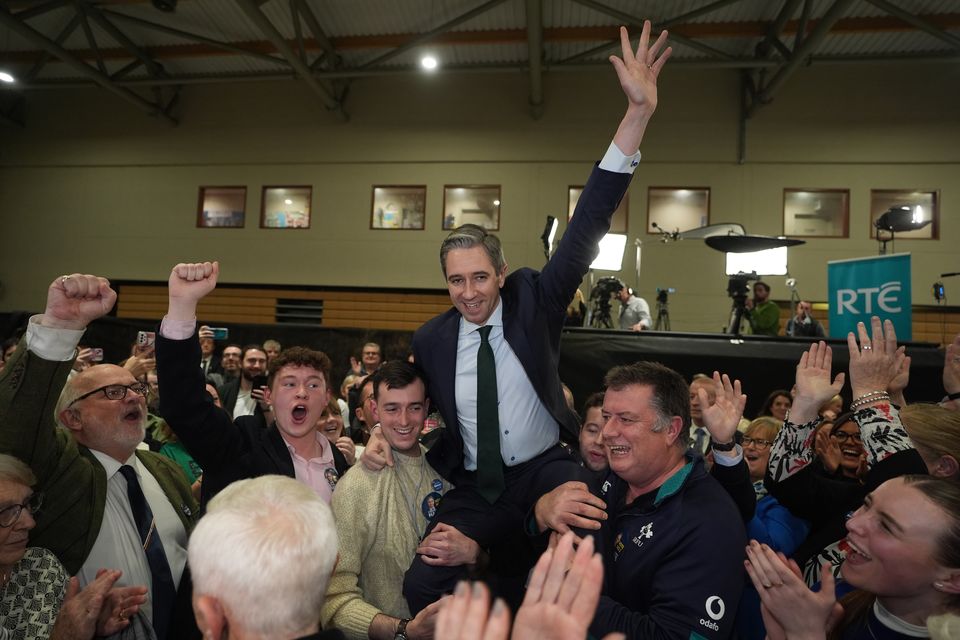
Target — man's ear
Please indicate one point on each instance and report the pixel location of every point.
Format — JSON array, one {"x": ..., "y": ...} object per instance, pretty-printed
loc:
[
  {"x": 375, "y": 410},
  {"x": 70, "y": 418},
  {"x": 211, "y": 619},
  {"x": 502, "y": 276},
  {"x": 673, "y": 431}
]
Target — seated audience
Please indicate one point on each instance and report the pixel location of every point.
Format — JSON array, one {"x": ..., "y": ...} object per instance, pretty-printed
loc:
[
  {"x": 243, "y": 394},
  {"x": 227, "y": 450},
  {"x": 904, "y": 560},
  {"x": 381, "y": 517},
  {"x": 37, "y": 599},
  {"x": 231, "y": 361},
  {"x": 261, "y": 559},
  {"x": 272, "y": 348},
  {"x": 112, "y": 505}
]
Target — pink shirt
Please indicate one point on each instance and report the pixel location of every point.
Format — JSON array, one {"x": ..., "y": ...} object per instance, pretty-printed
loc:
[{"x": 320, "y": 474}]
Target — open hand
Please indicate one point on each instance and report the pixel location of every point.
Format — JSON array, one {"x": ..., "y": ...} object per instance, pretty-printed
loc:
[
  {"x": 814, "y": 388},
  {"x": 638, "y": 71},
  {"x": 722, "y": 417},
  {"x": 877, "y": 361}
]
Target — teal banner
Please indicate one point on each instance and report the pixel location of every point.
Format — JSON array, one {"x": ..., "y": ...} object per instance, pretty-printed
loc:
[{"x": 865, "y": 287}]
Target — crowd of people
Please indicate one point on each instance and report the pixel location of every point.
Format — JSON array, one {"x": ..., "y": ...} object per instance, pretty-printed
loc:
[{"x": 460, "y": 495}]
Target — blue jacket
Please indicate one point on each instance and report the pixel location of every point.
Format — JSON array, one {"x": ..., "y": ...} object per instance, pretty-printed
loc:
[
  {"x": 673, "y": 559},
  {"x": 774, "y": 525}
]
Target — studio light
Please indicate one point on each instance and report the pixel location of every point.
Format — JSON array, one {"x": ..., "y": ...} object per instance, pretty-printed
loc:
[
  {"x": 610, "y": 257},
  {"x": 902, "y": 217},
  {"x": 429, "y": 63},
  {"x": 6, "y": 77},
  {"x": 549, "y": 233}
]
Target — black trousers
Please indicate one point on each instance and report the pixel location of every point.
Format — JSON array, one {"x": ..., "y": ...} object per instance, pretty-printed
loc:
[{"x": 489, "y": 525}]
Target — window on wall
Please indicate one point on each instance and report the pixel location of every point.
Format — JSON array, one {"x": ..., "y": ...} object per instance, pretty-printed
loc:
[
  {"x": 285, "y": 207},
  {"x": 221, "y": 207},
  {"x": 677, "y": 208},
  {"x": 471, "y": 204},
  {"x": 816, "y": 213}
]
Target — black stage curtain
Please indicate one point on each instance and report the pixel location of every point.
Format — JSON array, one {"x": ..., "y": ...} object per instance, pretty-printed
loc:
[{"x": 762, "y": 364}]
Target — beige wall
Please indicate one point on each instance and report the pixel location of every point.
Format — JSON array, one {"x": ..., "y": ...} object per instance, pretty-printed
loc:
[{"x": 92, "y": 184}]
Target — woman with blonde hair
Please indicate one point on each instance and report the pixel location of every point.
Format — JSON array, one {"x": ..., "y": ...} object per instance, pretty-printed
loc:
[{"x": 935, "y": 432}]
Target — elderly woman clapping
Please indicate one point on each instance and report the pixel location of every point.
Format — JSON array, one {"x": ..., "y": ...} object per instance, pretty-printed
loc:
[{"x": 37, "y": 600}]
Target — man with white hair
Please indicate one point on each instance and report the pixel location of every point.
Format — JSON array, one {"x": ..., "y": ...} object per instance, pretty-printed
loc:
[
  {"x": 110, "y": 505},
  {"x": 261, "y": 559}
]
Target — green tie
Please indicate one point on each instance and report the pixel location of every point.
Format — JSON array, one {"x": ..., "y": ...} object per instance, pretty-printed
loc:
[{"x": 489, "y": 460}]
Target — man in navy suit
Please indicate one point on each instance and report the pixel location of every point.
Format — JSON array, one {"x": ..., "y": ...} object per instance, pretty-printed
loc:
[{"x": 525, "y": 313}]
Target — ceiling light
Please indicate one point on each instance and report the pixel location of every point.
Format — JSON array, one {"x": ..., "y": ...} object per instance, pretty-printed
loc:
[
  {"x": 6, "y": 77},
  {"x": 496, "y": 203},
  {"x": 288, "y": 201},
  {"x": 428, "y": 62}
]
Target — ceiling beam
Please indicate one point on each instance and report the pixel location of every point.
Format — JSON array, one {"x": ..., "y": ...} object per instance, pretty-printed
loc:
[
  {"x": 154, "y": 67},
  {"x": 252, "y": 11},
  {"x": 88, "y": 32},
  {"x": 635, "y": 22},
  {"x": 44, "y": 56},
  {"x": 809, "y": 46},
  {"x": 319, "y": 35},
  {"x": 214, "y": 46},
  {"x": 27, "y": 32},
  {"x": 917, "y": 22},
  {"x": 40, "y": 9},
  {"x": 430, "y": 35},
  {"x": 535, "y": 56},
  {"x": 261, "y": 49}
]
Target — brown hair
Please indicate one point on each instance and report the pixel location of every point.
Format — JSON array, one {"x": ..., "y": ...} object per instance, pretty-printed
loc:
[{"x": 301, "y": 357}]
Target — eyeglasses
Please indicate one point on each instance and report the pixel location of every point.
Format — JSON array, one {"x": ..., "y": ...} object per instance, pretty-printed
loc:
[
  {"x": 115, "y": 391},
  {"x": 843, "y": 436},
  {"x": 10, "y": 515},
  {"x": 758, "y": 443}
]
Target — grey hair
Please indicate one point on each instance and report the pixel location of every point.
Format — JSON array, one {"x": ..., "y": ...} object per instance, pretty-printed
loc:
[
  {"x": 468, "y": 236},
  {"x": 266, "y": 550},
  {"x": 15, "y": 470},
  {"x": 68, "y": 395}
]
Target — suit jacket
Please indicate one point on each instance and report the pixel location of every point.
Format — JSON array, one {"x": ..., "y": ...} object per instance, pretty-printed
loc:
[
  {"x": 73, "y": 481},
  {"x": 229, "y": 391},
  {"x": 227, "y": 450},
  {"x": 534, "y": 309}
]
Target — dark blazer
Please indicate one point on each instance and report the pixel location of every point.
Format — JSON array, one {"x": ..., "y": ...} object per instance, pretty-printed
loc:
[
  {"x": 534, "y": 309},
  {"x": 72, "y": 479},
  {"x": 228, "y": 451},
  {"x": 229, "y": 391}
]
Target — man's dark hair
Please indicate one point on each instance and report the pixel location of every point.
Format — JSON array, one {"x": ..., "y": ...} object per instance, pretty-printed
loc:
[
  {"x": 394, "y": 374},
  {"x": 234, "y": 344},
  {"x": 300, "y": 357},
  {"x": 468, "y": 236},
  {"x": 761, "y": 283},
  {"x": 249, "y": 347},
  {"x": 670, "y": 392},
  {"x": 593, "y": 400}
]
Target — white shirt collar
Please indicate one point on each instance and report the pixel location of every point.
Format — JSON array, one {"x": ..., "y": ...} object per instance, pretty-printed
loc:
[{"x": 111, "y": 465}]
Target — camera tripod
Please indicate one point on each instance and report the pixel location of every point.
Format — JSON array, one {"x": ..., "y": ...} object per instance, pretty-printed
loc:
[{"x": 663, "y": 312}]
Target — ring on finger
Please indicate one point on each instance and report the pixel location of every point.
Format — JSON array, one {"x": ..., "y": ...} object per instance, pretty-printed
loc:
[
  {"x": 63, "y": 279},
  {"x": 867, "y": 347}
]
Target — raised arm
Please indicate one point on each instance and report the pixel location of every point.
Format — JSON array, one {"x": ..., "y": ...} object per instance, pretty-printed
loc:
[
  {"x": 206, "y": 431},
  {"x": 638, "y": 72}
]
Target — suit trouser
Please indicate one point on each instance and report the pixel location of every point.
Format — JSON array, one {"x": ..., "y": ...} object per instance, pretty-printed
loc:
[{"x": 464, "y": 508}]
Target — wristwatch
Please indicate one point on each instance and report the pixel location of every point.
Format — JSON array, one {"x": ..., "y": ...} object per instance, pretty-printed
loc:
[
  {"x": 401, "y": 632},
  {"x": 730, "y": 446}
]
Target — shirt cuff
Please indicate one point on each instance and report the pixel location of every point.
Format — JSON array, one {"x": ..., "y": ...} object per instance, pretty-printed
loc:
[
  {"x": 616, "y": 162},
  {"x": 729, "y": 461},
  {"x": 177, "y": 329},
  {"x": 57, "y": 345}
]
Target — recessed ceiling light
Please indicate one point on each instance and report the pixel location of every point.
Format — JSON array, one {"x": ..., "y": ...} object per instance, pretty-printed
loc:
[
  {"x": 428, "y": 62},
  {"x": 6, "y": 77}
]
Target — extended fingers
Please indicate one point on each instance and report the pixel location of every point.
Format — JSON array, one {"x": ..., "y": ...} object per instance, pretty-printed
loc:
[
  {"x": 625, "y": 46},
  {"x": 574, "y": 581},
  {"x": 562, "y": 556},
  {"x": 450, "y": 618}
]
